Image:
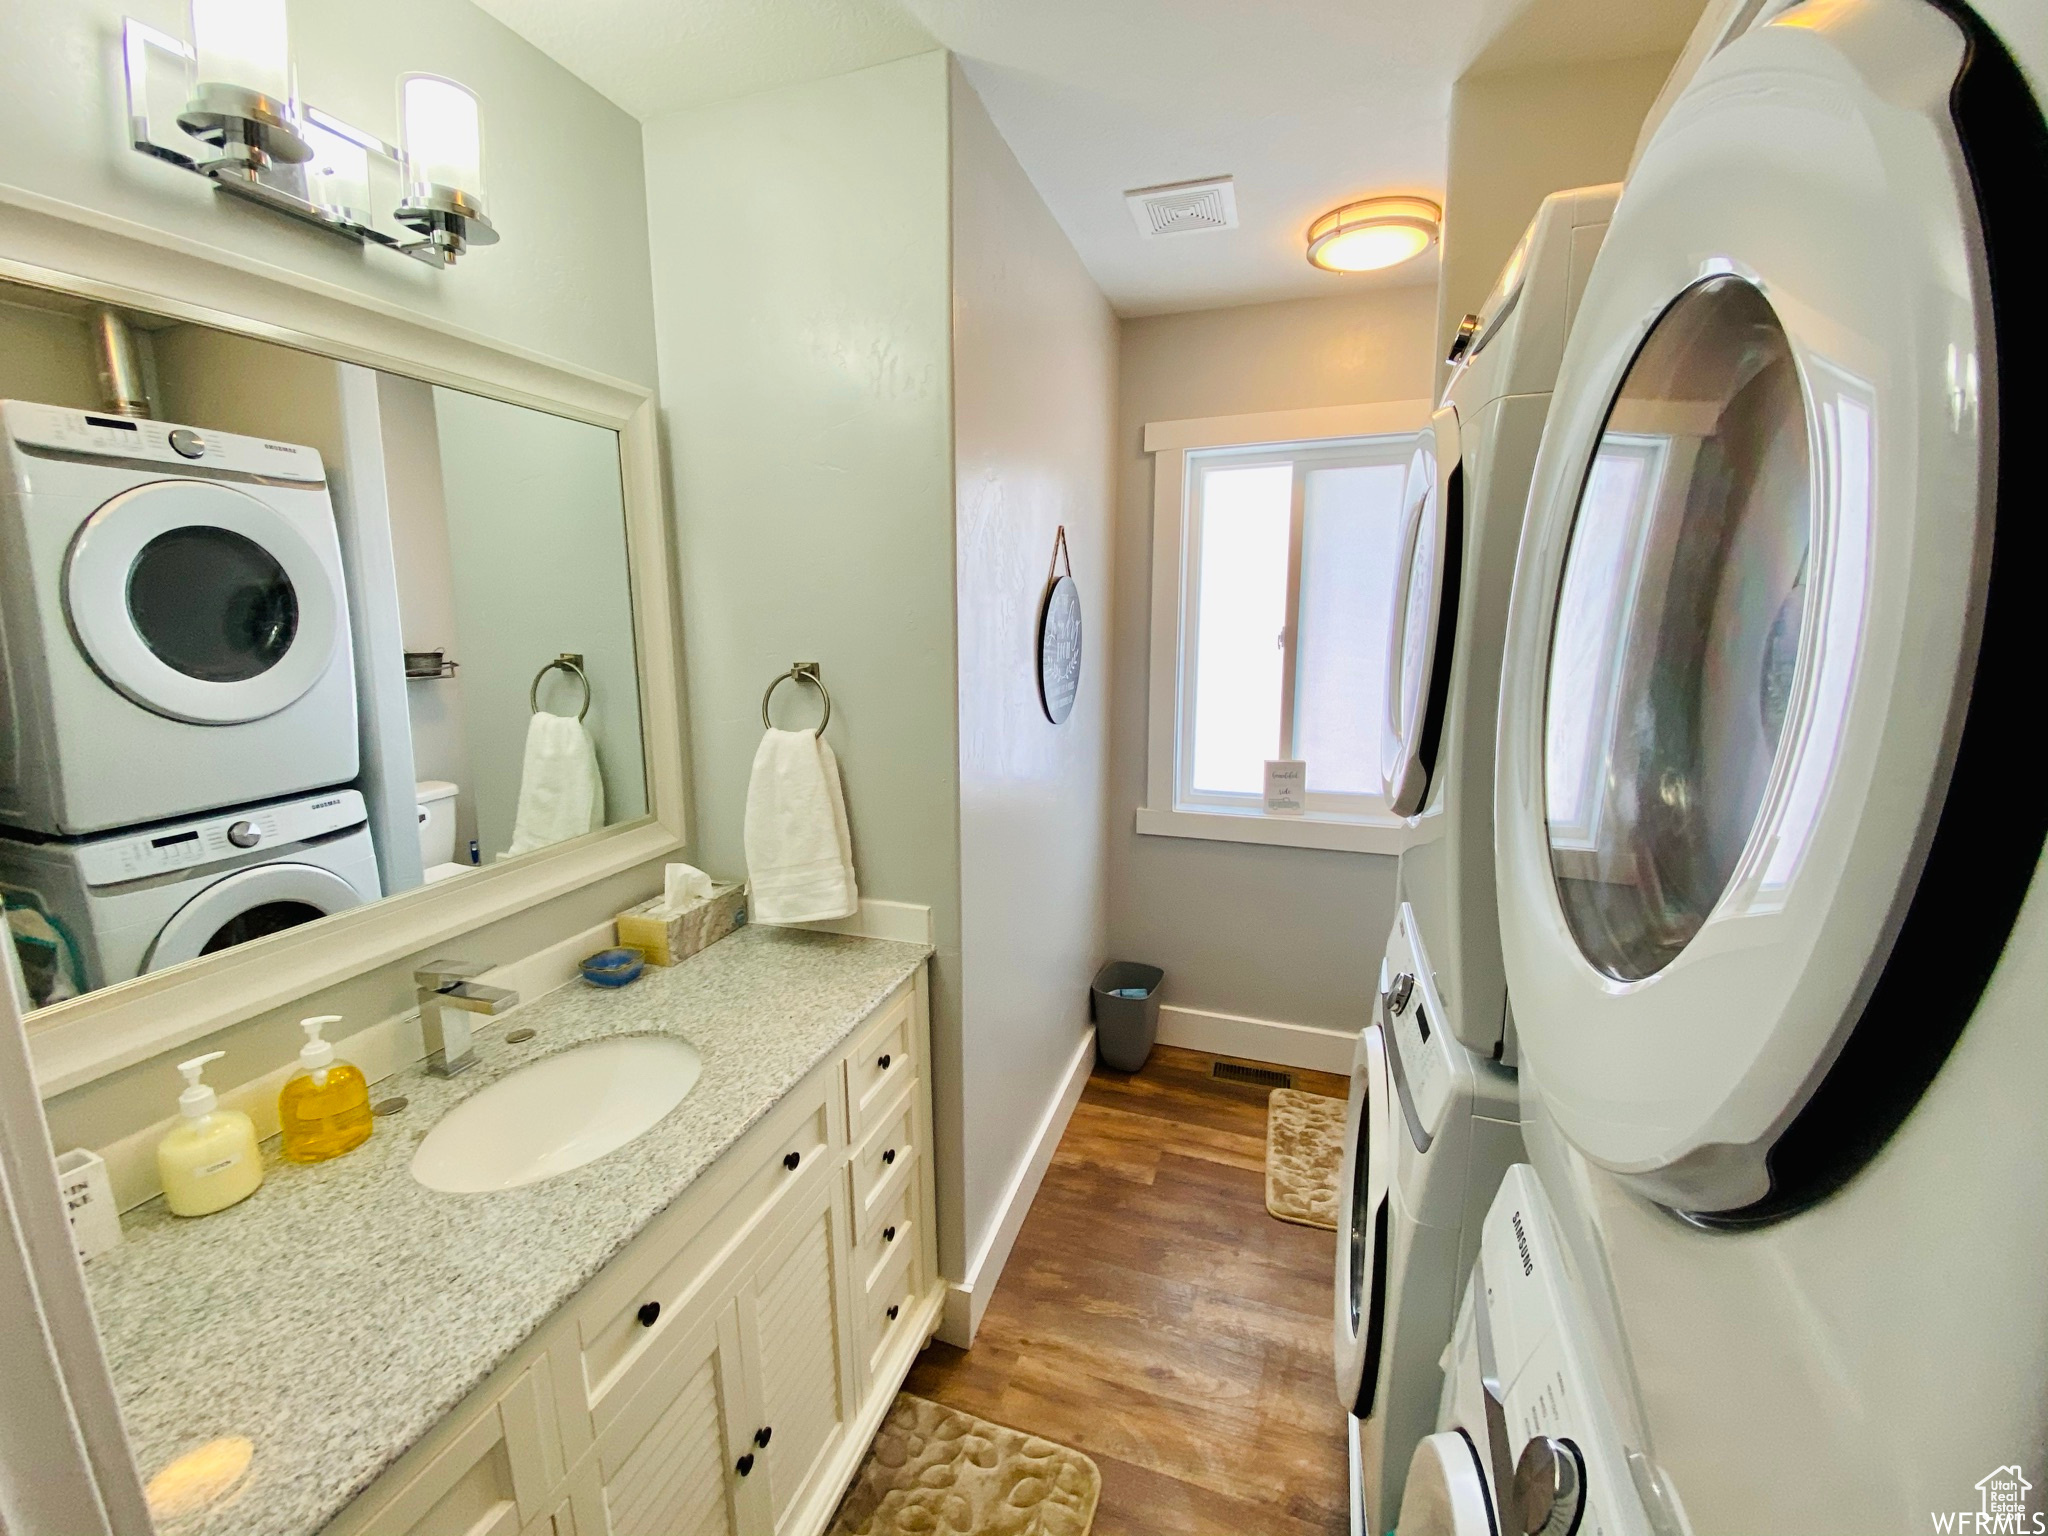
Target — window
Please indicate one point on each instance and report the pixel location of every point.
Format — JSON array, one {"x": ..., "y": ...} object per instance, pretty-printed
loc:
[{"x": 1275, "y": 564}]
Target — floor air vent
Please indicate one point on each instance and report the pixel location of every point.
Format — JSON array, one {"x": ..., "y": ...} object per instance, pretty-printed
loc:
[{"x": 1265, "y": 1077}]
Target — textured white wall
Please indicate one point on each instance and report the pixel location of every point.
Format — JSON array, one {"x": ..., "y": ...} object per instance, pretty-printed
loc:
[
  {"x": 1292, "y": 934},
  {"x": 1034, "y": 396}
]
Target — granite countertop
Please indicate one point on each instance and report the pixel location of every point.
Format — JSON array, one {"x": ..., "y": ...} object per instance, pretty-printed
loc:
[{"x": 337, "y": 1314}]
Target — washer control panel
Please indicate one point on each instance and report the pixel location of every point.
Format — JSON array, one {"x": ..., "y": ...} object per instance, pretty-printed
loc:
[
  {"x": 1418, "y": 1032},
  {"x": 230, "y": 834},
  {"x": 56, "y": 429}
]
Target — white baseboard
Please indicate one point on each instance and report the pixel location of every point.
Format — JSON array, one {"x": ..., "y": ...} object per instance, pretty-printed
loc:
[
  {"x": 1230, "y": 1034},
  {"x": 967, "y": 1299},
  {"x": 904, "y": 921}
]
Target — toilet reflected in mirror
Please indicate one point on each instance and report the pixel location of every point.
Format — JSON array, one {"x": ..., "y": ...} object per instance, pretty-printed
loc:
[{"x": 281, "y": 635}]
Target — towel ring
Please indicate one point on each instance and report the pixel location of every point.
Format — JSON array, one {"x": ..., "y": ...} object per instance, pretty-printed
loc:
[
  {"x": 569, "y": 662},
  {"x": 801, "y": 672}
]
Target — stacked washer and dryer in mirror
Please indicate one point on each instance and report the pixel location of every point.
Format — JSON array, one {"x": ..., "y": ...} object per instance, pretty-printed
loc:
[
  {"x": 1767, "y": 836},
  {"x": 177, "y": 696},
  {"x": 1433, "y": 1119}
]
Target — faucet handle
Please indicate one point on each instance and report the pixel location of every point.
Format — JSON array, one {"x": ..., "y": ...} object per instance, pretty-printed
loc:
[{"x": 437, "y": 974}]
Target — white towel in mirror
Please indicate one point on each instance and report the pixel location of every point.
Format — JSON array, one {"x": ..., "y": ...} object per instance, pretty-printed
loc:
[
  {"x": 560, "y": 793},
  {"x": 799, "y": 851}
]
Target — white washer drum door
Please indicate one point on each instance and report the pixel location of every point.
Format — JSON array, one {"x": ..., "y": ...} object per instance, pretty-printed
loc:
[
  {"x": 1362, "y": 1235},
  {"x": 1425, "y": 617},
  {"x": 250, "y": 904},
  {"x": 200, "y": 602},
  {"x": 1762, "y": 820}
]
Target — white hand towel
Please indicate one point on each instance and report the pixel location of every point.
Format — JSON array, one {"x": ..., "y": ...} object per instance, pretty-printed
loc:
[
  {"x": 560, "y": 793},
  {"x": 799, "y": 853}
]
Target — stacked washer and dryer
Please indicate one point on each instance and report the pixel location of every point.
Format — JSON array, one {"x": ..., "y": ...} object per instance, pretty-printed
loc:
[
  {"x": 1433, "y": 1120},
  {"x": 1766, "y": 841},
  {"x": 178, "y": 726}
]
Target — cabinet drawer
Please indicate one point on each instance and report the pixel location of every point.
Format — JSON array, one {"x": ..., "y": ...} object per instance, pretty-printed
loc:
[
  {"x": 884, "y": 1160},
  {"x": 892, "y": 1230},
  {"x": 881, "y": 1064},
  {"x": 627, "y": 1313},
  {"x": 887, "y": 1307}
]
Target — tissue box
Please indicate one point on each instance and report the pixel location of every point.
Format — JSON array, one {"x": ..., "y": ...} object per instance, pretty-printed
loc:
[{"x": 665, "y": 940}]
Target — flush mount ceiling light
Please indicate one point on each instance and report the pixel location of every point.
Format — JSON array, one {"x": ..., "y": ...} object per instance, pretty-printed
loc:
[
  {"x": 1376, "y": 233},
  {"x": 231, "y": 89}
]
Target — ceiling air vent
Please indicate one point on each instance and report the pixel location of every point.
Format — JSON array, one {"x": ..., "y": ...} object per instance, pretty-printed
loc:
[{"x": 1184, "y": 208}]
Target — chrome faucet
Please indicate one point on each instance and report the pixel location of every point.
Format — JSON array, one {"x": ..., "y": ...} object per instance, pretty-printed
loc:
[{"x": 448, "y": 994}]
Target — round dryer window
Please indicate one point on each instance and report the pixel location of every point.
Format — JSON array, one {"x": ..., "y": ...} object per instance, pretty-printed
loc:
[
  {"x": 1677, "y": 629},
  {"x": 201, "y": 603},
  {"x": 250, "y": 904}
]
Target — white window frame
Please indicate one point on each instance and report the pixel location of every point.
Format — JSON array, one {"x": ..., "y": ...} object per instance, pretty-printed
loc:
[{"x": 1168, "y": 811}]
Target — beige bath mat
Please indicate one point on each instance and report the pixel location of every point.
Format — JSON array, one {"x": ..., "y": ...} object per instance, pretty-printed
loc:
[
  {"x": 934, "y": 1471},
  {"x": 1304, "y": 1156}
]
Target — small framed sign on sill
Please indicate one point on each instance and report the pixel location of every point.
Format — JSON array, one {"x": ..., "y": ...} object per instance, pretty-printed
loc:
[{"x": 1286, "y": 786}]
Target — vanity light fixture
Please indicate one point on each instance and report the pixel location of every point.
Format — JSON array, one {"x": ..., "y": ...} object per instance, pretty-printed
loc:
[
  {"x": 232, "y": 89},
  {"x": 1374, "y": 234}
]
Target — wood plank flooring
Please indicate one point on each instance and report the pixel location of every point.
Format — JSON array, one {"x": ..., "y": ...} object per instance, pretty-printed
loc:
[{"x": 1156, "y": 1317}]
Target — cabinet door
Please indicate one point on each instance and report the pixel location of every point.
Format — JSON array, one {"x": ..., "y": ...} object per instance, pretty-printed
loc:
[
  {"x": 795, "y": 1328},
  {"x": 486, "y": 1471},
  {"x": 676, "y": 1460}
]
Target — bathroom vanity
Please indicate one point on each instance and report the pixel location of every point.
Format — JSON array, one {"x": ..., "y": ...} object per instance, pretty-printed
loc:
[{"x": 699, "y": 1332}]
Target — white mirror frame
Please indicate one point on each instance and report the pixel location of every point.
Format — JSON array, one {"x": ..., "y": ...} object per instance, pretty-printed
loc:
[{"x": 70, "y": 250}]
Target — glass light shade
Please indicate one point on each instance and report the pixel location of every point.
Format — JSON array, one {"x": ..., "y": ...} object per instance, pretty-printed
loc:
[
  {"x": 1379, "y": 232},
  {"x": 242, "y": 43},
  {"x": 441, "y": 135}
]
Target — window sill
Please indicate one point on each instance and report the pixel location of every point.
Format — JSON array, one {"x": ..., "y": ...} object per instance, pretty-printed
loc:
[{"x": 1345, "y": 835}]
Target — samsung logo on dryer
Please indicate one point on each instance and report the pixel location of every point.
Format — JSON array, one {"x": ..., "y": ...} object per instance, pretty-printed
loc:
[{"x": 1522, "y": 1244}]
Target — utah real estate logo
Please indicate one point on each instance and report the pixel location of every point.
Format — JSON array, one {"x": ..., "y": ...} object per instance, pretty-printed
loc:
[{"x": 2001, "y": 1511}]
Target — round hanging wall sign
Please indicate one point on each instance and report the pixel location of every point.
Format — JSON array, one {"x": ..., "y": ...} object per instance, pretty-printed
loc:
[{"x": 1059, "y": 638}]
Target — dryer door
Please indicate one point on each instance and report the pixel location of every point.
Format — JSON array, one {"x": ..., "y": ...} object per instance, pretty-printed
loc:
[
  {"x": 250, "y": 904},
  {"x": 1425, "y": 617},
  {"x": 200, "y": 602},
  {"x": 1759, "y": 845},
  {"x": 1362, "y": 1217}
]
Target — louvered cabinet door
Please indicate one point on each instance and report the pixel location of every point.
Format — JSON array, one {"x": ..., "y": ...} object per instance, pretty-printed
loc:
[
  {"x": 675, "y": 1461},
  {"x": 795, "y": 1333}
]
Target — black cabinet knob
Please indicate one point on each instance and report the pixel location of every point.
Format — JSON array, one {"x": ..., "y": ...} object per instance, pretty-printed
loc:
[
  {"x": 791, "y": 1159},
  {"x": 649, "y": 1311},
  {"x": 889, "y": 1156},
  {"x": 744, "y": 1465},
  {"x": 888, "y": 1234},
  {"x": 883, "y": 1062},
  {"x": 763, "y": 1435},
  {"x": 893, "y": 1311}
]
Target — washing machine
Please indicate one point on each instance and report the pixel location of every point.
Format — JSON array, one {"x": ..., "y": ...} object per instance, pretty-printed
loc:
[
  {"x": 1526, "y": 1441},
  {"x": 1442, "y": 1006},
  {"x": 113, "y": 908},
  {"x": 1766, "y": 835},
  {"x": 173, "y": 624}
]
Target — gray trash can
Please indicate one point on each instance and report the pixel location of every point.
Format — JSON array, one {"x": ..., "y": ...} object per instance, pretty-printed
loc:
[{"x": 1125, "y": 1025}]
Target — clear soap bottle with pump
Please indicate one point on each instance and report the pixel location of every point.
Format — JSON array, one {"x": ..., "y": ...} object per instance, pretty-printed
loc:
[
  {"x": 324, "y": 1108},
  {"x": 209, "y": 1159}
]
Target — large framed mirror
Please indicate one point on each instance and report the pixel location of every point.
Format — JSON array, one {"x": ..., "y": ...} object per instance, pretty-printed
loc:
[{"x": 311, "y": 653}]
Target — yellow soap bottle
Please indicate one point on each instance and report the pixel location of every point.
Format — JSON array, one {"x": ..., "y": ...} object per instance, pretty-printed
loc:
[
  {"x": 324, "y": 1110},
  {"x": 209, "y": 1160}
]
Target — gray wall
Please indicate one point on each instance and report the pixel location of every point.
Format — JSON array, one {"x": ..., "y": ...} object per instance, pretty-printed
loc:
[
  {"x": 802, "y": 305},
  {"x": 537, "y": 556},
  {"x": 562, "y": 166},
  {"x": 1034, "y": 396},
  {"x": 1290, "y": 934}
]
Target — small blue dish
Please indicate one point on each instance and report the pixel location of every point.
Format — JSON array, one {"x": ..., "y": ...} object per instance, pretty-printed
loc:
[{"x": 613, "y": 967}]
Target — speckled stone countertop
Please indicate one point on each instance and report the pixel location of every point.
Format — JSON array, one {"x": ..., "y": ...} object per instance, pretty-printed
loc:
[{"x": 336, "y": 1315}]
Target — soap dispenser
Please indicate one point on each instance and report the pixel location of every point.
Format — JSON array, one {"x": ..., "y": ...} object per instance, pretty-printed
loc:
[
  {"x": 209, "y": 1160},
  {"x": 324, "y": 1110}
]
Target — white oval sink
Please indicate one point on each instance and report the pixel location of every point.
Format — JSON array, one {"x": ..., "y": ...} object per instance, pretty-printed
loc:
[{"x": 557, "y": 1114}]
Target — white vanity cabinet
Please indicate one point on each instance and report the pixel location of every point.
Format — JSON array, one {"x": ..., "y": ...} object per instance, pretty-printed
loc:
[{"x": 724, "y": 1374}]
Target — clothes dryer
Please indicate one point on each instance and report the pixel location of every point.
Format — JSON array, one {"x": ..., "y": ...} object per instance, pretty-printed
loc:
[
  {"x": 108, "y": 909},
  {"x": 174, "y": 629},
  {"x": 1767, "y": 850},
  {"x": 1442, "y": 1008}
]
